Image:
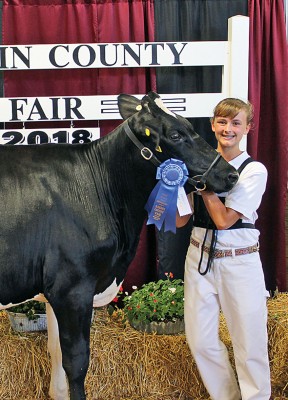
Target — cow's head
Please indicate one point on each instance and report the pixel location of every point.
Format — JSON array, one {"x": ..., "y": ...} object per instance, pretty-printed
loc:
[{"x": 169, "y": 135}]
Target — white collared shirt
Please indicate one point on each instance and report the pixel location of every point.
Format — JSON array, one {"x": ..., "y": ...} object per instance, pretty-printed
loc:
[{"x": 245, "y": 198}]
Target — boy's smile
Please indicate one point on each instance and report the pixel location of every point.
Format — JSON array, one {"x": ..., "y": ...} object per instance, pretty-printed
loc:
[{"x": 229, "y": 131}]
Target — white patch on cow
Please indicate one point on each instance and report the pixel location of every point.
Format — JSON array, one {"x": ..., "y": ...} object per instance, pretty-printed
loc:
[
  {"x": 160, "y": 104},
  {"x": 38, "y": 297},
  {"x": 102, "y": 299},
  {"x": 2, "y": 307},
  {"x": 58, "y": 389}
]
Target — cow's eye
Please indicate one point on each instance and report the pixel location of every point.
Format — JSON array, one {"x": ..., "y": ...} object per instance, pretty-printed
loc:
[{"x": 175, "y": 136}]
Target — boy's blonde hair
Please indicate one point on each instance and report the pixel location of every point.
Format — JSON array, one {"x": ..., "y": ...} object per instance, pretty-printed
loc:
[{"x": 230, "y": 107}]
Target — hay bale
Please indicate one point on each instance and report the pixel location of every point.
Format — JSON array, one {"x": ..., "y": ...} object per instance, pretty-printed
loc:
[
  {"x": 24, "y": 364},
  {"x": 129, "y": 365},
  {"x": 278, "y": 342}
]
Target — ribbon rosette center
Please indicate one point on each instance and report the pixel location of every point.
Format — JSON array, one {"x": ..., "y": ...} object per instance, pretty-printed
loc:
[{"x": 162, "y": 202}]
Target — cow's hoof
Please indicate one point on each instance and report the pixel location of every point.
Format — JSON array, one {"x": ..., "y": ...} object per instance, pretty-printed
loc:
[{"x": 59, "y": 395}]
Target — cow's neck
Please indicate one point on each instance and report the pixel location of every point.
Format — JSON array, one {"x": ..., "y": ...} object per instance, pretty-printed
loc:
[{"x": 131, "y": 178}]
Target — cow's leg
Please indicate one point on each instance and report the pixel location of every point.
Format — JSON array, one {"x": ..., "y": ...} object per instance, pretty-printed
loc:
[
  {"x": 74, "y": 320},
  {"x": 58, "y": 384}
]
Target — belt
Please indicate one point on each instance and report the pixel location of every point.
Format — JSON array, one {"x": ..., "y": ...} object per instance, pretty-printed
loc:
[{"x": 229, "y": 252}]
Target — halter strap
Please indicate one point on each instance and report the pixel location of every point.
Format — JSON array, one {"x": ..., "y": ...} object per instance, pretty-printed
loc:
[
  {"x": 203, "y": 178},
  {"x": 148, "y": 155}
]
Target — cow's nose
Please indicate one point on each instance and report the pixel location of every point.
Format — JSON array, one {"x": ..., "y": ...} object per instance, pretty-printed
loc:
[{"x": 233, "y": 177}]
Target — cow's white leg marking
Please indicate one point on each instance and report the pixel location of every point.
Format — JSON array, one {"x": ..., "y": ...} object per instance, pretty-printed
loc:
[
  {"x": 102, "y": 299},
  {"x": 38, "y": 297},
  {"x": 58, "y": 385}
]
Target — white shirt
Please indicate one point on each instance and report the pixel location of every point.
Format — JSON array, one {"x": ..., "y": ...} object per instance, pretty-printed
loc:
[{"x": 245, "y": 197}]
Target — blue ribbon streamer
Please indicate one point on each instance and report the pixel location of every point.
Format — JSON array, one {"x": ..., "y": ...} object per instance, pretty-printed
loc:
[{"x": 162, "y": 202}]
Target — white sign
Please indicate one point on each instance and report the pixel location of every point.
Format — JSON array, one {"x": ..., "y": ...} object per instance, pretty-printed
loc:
[
  {"x": 41, "y": 136},
  {"x": 68, "y": 108},
  {"x": 111, "y": 55}
]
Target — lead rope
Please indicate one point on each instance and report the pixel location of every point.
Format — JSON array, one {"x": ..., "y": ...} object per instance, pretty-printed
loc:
[
  {"x": 211, "y": 251},
  {"x": 215, "y": 233}
]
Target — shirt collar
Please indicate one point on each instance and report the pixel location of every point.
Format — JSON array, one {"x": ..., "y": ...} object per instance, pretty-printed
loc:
[{"x": 237, "y": 161}]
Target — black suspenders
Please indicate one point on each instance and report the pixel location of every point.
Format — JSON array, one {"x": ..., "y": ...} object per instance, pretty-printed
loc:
[
  {"x": 202, "y": 218},
  {"x": 243, "y": 165}
]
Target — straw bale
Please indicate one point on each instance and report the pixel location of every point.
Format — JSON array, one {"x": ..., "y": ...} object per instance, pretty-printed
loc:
[
  {"x": 24, "y": 364},
  {"x": 130, "y": 365}
]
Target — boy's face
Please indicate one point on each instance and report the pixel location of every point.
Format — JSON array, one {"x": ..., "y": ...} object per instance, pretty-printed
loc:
[{"x": 229, "y": 131}]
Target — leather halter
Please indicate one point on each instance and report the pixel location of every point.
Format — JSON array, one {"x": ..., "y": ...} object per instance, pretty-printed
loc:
[{"x": 197, "y": 181}]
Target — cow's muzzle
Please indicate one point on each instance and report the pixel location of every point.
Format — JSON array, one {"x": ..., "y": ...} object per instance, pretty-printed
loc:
[{"x": 199, "y": 181}]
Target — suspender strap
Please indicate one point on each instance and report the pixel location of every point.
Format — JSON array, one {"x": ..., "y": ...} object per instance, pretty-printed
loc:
[
  {"x": 203, "y": 220},
  {"x": 201, "y": 216},
  {"x": 239, "y": 224},
  {"x": 243, "y": 165}
]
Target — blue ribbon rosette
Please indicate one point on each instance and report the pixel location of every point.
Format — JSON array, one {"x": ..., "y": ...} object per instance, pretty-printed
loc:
[{"x": 162, "y": 202}]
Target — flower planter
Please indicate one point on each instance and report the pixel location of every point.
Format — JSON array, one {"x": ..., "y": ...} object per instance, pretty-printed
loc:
[
  {"x": 162, "y": 302},
  {"x": 160, "y": 328},
  {"x": 21, "y": 323}
]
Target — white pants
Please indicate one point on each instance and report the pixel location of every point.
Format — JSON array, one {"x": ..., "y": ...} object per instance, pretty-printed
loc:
[{"x": 236, "y": 285}]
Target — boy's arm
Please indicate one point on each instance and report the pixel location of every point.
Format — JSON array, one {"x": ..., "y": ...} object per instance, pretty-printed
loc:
[{"x": 223, "y": 217}]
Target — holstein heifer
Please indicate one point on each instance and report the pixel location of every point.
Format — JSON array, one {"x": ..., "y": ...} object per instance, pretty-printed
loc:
[{"x": 71, "y": 216}]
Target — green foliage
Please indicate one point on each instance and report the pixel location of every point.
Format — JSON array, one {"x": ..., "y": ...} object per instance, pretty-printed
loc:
[
  {"x": 30, "y": 308},
  {"x": 156, "y": 301}
]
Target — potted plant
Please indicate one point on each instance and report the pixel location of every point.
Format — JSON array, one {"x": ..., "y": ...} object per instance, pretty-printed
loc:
[
  {"x": 157, "y": 306},
  {"x": 28, "y": 317}
]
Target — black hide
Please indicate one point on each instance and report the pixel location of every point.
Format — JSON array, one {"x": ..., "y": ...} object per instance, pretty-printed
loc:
[{"x": 71, "y": 216}]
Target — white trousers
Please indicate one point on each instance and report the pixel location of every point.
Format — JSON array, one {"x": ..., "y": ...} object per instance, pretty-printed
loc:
[{"x": 236, "y": 286}]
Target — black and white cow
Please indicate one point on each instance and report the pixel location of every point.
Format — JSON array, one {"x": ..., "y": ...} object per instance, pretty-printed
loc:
[{"x": 71, "y": 216}]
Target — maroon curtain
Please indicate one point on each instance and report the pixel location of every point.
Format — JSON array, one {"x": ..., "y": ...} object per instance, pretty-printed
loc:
[
  {"x": 84, "y": 21},
  {"x": 78, "y": 21},
  {"x": 268, "y": 141}
]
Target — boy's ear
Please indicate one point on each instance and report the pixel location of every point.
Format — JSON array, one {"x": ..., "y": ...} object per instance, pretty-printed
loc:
[
  {"x": 248, "y": 127},
  {"x": 212, "y": 126}
]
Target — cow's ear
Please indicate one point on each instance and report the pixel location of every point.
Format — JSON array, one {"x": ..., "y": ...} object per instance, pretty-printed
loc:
[{"x": 128, "y": 105}]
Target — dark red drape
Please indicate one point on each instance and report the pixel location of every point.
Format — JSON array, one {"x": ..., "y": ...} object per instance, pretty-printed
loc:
[
  {"x": 80, "y": 21},
  {"x": 84, "y": 21},
  {"x": 268, "y": 141}
]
